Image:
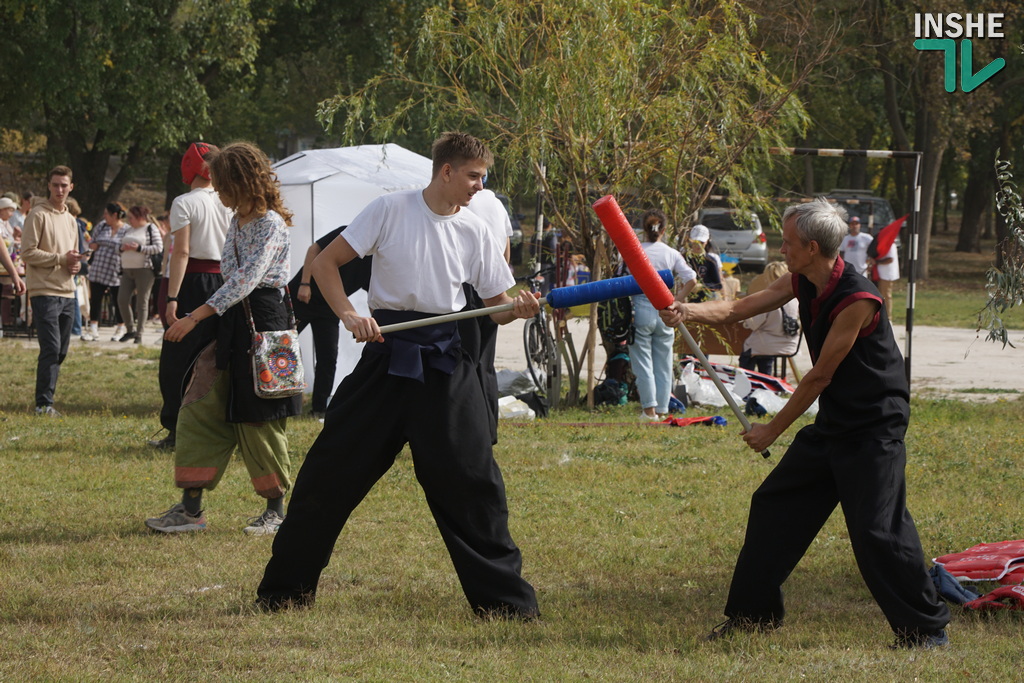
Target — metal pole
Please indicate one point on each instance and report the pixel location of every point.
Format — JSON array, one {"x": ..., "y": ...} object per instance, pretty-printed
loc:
[
  {"x": 726, "y": 394},
  {"x": 912, "y": 264}
]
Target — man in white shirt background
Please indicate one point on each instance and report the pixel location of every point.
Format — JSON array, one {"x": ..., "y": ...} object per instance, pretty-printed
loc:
[{"x": 854, "y": 248}]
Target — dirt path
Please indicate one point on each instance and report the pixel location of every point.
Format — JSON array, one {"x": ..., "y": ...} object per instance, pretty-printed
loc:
[{"x": 945, "y": 361}]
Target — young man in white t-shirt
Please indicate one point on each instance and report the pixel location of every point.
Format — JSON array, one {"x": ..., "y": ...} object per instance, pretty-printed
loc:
[
  {"x": 417, "y": 387},
  {"x": 199, "y": 224}
]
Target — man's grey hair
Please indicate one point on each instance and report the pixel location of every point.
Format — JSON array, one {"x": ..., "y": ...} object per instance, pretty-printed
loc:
[{"x": 821, "y": 221}]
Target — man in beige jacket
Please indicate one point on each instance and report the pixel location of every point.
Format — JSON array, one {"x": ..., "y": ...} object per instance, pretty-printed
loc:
[{"x": 49, "y": 248}]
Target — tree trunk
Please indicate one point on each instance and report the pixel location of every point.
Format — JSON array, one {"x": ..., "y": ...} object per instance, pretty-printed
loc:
[
  {"x": 90, "y": 167},
  {"x": 901, "y": 141},
  {"x": 931, "y": 164},
  {"x": 978, "y": 195},
  {"x": 172, "y": 181}
]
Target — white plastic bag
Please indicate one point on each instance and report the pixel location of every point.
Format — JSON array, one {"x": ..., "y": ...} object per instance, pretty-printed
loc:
[{"x": 511, "y": 408}]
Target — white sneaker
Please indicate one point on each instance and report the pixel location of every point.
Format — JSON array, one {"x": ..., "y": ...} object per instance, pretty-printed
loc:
[
  {"x": 119, "y": 332},
  {"x": 87, "y": 336},
  {"x": 266, "y": 524}
]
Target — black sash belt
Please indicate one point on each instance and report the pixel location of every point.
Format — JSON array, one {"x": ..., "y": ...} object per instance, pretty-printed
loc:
[{"x": 436, "y": 346}]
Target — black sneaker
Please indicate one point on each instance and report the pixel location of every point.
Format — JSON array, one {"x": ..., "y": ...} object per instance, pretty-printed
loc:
[
  {"x": 921, "y": 641},
  {"x": 128, "y": 336},
  {"x": 164, "y": 444},
  {"x": 734, "y": 625}
]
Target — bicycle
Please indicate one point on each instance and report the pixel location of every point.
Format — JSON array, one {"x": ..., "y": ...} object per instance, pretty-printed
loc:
[{"x": 542, "y": 358}]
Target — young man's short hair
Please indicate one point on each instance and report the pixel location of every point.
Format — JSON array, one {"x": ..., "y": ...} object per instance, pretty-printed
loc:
[
  {"x": 59, "y": 170},
  {"x": 456, "y": 148}
]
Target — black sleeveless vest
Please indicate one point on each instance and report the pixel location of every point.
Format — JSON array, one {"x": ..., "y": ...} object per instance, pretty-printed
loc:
[{"x": 868, "y": 395}]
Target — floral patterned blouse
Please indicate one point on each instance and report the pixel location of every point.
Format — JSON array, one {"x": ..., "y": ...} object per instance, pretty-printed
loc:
[{"x": 257, "y": 254}]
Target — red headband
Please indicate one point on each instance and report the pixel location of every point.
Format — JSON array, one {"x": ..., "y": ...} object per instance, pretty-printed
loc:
[{"x": 194, "y": 162}]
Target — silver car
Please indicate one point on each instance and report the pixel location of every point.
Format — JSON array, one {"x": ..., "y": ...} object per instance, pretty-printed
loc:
[{"x": 738, "y": 234}]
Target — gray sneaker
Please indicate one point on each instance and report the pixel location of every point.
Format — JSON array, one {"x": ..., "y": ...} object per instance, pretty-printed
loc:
[
  {"x": 177, "y": 521},
  {"x": 266, "y": 524},
  {"x": 47, "y": 411}
]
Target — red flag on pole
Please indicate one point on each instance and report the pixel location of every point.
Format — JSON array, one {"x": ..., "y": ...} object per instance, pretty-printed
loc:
[{"x": 884, "y": 240}]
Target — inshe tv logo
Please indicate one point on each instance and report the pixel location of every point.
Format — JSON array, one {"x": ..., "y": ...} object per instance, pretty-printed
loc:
[{"x": 940, "y": 31}]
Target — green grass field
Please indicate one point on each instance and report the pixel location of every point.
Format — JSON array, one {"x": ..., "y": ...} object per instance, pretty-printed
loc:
[{"x": 628, "y": 532}]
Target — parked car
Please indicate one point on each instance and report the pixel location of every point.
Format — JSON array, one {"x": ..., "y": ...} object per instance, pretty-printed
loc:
[
  {"x": 738, "y": 234},
  {"x": 874, "y": 212}
]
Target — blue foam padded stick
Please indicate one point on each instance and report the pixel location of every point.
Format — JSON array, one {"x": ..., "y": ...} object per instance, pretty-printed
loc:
[{"x": 602, "y": 290}]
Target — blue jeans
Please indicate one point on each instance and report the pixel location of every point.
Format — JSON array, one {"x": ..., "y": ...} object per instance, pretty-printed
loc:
[
  {"x": 53, "y": 317},
  {"x": 650, "y": 354},
  {"x": 76, "y": 326}
]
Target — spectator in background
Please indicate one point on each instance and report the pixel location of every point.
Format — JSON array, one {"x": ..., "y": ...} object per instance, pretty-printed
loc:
[
  {"x": 81, "y": 299},
  {"x": 51, "y": 256},
  {"x": 703, "y": 258},
  {"x": 7, "y": 230},
  {"x": 854, "y": 248},
  {"x": 650, "y": 354},
  {"x": 25, "y": 202},
  {"x": 10, "y": 251},
  {"x": 199, "y": 223},
  {"x": 480, "y": 335},
  {"x": 17, "y": 285},
  {"x": 157, "y": 304},
  {"x": 311, "y": 309},
  {"x": 141, "y": 241},
  {"x": 105, "y": 268},
  {"x": 768, "y": 337},
  {"x": 885, "y": 270}
]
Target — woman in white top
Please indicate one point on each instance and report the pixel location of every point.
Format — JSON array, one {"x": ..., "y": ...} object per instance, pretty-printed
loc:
[
  {"x": 138, "y": 243},
  {"x": 650, "y": 354},
  {"x": 887, "y": 270}
]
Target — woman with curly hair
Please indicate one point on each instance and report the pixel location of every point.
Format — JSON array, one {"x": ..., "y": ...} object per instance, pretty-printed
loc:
[{"x": 220, "y": 410}]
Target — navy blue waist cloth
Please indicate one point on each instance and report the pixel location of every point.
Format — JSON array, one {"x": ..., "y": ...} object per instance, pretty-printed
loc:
[{"x": 438, "y": 346}]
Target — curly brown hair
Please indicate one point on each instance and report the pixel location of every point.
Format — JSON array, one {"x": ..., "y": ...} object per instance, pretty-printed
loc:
[{"x": 242, "y": 175}]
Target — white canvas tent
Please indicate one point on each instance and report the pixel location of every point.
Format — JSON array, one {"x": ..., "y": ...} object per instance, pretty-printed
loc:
[{"x": 326, "y": 188}]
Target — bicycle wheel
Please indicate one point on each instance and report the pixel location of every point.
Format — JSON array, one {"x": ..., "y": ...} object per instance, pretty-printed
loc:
[{"x": 540, "y": 352}]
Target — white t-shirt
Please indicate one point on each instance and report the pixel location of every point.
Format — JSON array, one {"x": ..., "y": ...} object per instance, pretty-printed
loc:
[
  {"x": 664, "y": 257},
  {"x": 487, "y": 206},
  {"x": 855, "y": 251},
  {"x": 131, "y": 258},
  {"x": 889, "y": 271},
  {"x": 421, "y": 259},
  {"x": 209, "y": 219}
]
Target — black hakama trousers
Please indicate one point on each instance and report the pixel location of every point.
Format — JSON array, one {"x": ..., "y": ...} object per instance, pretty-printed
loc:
[
  {"x": 866, "y": 477},
  {"x": 445, "y": 422}
]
